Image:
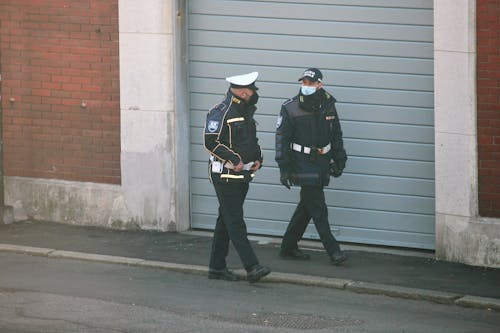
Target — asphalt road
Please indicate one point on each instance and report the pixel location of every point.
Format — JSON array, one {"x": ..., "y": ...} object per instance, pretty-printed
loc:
[{"x": 39, "y": 294}]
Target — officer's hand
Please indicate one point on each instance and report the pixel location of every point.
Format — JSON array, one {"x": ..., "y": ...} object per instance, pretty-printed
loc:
[
  {"x": 285, "y": 179},
  {"x": 239, "y": 166},
  {"x": 256, "y": 166},
  {"x": 335, "y": 171}
]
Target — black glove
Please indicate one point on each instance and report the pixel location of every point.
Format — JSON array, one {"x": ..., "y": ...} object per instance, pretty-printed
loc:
[
  {"x": 285, "y": 179},
  {"x": 335, "y": 170}
]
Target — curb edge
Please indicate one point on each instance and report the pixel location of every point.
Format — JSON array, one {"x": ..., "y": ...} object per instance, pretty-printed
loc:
[{"x": 298, "y": 279}]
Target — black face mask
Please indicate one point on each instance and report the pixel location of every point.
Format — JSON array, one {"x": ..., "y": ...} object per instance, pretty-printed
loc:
[{"x": 253, "y": 99}]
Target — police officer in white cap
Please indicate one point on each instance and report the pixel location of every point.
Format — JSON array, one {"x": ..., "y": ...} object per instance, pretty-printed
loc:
[
  {"x": 310, "y": 149},
  {"x": 235, "y": 156}
]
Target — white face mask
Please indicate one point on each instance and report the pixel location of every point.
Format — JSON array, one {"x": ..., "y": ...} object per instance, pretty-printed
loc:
[{"x": 307, "y": 90}]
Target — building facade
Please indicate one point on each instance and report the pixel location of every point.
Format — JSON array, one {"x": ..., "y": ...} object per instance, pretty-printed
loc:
[{"x": 102, "y": 103}]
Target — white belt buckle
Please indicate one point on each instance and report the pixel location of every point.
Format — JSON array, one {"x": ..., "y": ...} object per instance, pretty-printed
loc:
[{"x": 307, "y": 150}]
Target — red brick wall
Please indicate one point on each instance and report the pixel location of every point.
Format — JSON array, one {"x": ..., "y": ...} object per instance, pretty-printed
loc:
[
  {"x": 488, "y": 106},
  {"x": 59, "y": 62}
]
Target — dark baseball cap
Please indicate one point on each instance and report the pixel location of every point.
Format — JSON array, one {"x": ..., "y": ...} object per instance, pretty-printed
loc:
[{"x": 312, "y": 74}]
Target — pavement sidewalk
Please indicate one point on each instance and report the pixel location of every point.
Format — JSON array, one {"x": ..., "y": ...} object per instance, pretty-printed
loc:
[{"x": 375, "y": 270}]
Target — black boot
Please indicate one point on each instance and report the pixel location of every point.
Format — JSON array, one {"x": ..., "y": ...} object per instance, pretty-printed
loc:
[
  {"x": 338, "y": 257},
  {"x": 222, "y": 274},
  {"x": 257, "y": 272},
  {"x": 294, "y": 254}
]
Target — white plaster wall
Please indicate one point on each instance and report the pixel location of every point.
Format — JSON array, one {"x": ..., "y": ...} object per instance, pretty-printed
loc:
[
  {"x": 455, "y": 107},
  {"x": 147, "y": 112},
  {"x": 460, "y": 234}
]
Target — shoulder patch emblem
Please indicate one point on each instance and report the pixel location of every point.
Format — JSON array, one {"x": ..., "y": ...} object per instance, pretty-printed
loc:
[
  {"x": 213, "y": 125},
  {"x": 279, "y": 121}
]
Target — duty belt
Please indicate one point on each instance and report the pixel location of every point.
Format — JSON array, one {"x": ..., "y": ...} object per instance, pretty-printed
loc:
[
  {"x": 229, "y": 165},
  {"x": 307, "y": 150},
  {"x": 247, "y": 166}
]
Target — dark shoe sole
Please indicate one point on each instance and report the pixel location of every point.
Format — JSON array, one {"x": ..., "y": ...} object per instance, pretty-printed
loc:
[
  {"x": 258, "y": 275},
  {"x": 290, "y": 257},
  {"x": 226, "y": 277},
  {"x": 338, "y": 261}
]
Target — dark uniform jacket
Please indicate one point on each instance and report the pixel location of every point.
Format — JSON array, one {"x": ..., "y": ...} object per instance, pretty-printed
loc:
[
  {"x": 230, "y": 137},
  {"x": 309, "y": 127}
]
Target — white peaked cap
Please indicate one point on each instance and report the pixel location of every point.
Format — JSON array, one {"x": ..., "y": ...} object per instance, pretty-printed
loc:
[{"x": 243, "y": 80}]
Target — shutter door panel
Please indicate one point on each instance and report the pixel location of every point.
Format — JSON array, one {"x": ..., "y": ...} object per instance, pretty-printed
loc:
[
  {"x": 311, "y": 11},
  {"x": 314, "y": 44},
  {"x": 357, "y": 165},
  {"x": 377, "y": 60},
  {"x": 291, "y": 59},
  {"x": 348, "y": 78},
  {"x": 357, "y": 147},
  {"x": 355, "y": 112},
  {"x": 356, "y": 182}
]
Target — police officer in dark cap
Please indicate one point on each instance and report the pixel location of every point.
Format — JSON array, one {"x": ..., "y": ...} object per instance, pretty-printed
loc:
[
  {"x": 235, "y": 156},
  {"x": 310, "y": 149}
]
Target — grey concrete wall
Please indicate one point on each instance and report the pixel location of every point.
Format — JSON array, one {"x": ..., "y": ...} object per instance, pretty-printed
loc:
[{"x": 68, "y": 202}]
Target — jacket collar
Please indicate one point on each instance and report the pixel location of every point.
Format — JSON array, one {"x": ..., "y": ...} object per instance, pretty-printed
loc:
[{"x": 239, "y": 104}]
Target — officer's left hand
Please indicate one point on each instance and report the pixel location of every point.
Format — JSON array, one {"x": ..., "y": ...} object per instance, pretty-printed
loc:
[
  {"x": 335, "y": 171},
  {"x": 285, "y": 179}
]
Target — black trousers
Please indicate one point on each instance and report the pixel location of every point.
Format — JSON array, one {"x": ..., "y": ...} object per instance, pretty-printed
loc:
[
  {"x": 231, "y": 226},
  {"x": 311, "y": 205}
]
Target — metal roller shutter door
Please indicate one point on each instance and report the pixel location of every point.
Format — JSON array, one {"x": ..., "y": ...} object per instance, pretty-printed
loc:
[{"x": 377, "y": 59}]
